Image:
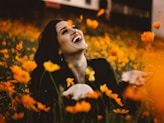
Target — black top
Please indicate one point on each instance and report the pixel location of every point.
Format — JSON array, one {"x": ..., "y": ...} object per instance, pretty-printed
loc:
[{"x": 43, "y": 90}]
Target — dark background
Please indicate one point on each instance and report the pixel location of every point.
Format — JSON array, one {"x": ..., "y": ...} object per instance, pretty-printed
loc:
[{"x": 36, "y": 9}]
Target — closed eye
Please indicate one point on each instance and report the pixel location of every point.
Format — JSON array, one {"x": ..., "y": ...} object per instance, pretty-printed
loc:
[
  {"x": 74, "y": 27},
  {"x": 64, "y": 31}
]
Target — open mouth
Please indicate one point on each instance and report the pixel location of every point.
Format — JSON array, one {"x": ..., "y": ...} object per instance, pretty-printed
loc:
[{"x": 76, "y": 39}]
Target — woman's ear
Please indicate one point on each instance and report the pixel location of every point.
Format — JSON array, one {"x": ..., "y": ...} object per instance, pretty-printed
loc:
[{"x": 59, "y": 51}]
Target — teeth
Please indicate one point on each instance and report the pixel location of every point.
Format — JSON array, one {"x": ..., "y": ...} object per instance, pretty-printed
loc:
[{"x": 77, "y": 38}]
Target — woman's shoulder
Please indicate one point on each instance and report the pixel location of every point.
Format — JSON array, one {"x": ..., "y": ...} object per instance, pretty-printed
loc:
[{"x": 99, "y": 62}]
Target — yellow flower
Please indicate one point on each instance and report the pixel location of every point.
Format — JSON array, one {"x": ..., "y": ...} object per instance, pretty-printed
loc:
[
  {"x": 103, "y": 88},
  {"x": 70, "y": 81},
  {"x": 147, "y": 37},
  {"x": 120, "y": 111},
  {"x": 108, "y": 92},
  {"x": 51, "y": 67},
  {"x": 90, "y": 73}
]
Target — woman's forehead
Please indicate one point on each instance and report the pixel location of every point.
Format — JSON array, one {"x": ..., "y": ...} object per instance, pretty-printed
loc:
[{"x": 61, "y": 25}]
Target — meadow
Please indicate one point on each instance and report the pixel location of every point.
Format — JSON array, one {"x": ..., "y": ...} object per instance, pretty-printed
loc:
[{"x": 125, "y": 49}]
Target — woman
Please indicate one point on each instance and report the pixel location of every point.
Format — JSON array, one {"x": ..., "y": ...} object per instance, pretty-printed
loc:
[{"x": 65, "y": 45}]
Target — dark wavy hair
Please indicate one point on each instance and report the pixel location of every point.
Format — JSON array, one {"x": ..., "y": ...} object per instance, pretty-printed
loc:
[
  {"x": 48, "y": 44},
  {"x": 47, "y": 50}
]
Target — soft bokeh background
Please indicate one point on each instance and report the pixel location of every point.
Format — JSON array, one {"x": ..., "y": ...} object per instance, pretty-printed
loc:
[{"x": 125, "y": 40}]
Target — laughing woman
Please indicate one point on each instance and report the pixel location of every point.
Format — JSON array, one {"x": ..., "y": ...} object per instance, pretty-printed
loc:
[{"x": 64, "y": 45}]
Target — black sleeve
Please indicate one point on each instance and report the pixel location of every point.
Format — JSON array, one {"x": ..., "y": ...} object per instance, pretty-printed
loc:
[{"x": 105, "y": 75}]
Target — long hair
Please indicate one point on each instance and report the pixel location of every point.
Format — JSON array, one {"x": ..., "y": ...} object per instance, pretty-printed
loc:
[
  {"x": 48, "y": 44},
  {"x": 47, "y": 50}
]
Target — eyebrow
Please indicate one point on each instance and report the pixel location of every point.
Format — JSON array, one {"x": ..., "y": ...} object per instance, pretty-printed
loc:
[{"x": 62, "y": 29}]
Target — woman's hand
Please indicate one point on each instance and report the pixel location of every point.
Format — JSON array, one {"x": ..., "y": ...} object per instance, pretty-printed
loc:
[
  {"x": 78, "y": 91},
  {"x": 136, "y": 77}
]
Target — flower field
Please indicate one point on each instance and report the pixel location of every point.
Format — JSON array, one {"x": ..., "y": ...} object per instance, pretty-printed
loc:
[{"x": 125, "y": 49}]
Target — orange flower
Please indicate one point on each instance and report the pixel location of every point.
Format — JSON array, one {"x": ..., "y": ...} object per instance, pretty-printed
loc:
[
  {"x": 42, "y": 107},
  {"x": 82, "y": 106},
  {"x": 69, "y": 22},
  {"x": 147, "y": 37},
  {"x": 120, "y": 111},
  {"x": 16, "y": 116},
  {"x": 100, "y": 12},
  {"x": 19, "y": 74},
  {"x": 29, "y": 102},
  {"x": 92, "y": 23},
  {"x": 94, "y": 94},
  {"x": 145, "y": 114},
  {"x": 134, "y": 93},
  {"x": 157, "y": 25},
  {"x": 2, "y": 119},
  {"x": 8, "y": 87},
  {"x": 19, "y": 46},
  {"x": 99, "y": 117},
  {"x": 29, "y": 65}
]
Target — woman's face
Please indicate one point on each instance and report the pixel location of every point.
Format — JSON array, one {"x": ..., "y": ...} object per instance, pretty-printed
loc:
[{"x": 71, "y": 39}]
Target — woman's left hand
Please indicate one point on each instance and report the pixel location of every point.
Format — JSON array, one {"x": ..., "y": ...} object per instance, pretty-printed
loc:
[{"x": 136, "y": 77}]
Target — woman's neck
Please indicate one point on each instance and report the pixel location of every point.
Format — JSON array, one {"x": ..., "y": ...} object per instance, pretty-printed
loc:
[
  {"x": 78, "y": 65},
  {"x": 76, "y": 60}
]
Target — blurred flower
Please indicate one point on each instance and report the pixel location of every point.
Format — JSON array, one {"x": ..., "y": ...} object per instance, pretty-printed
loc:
[
  {"x": 20, "y": 75},
  {"x": 2, "y": 119},
  {"x": 70, "y": 81},
  {"x": 94, "y": 94},
  {"x": 156, "y": 25},
  {"x": 17, "y": 116},
  {"x": 134, "y": 93},
  {"x": 69, "y": 22},
  {"x": 82, "y": 106},
  {"x": 92, "y": 23},
  {"x": 147, "y": 37},
  {"x": 90, "y": 74},
  {"x": 108, "y": 92},
  {"x": 100, "y": 12},
  {"x": 30, "y": 103},
  {"x": 19, "y": 46},
  {"x": 51, "y": 67},
  {"x": 99, "y": 117},
  {"x": 29, "y": 65},
  {"x": 8, "y": 87},
  {"x": 4, "y": 43},
  {"x": 145, "y": 114},
  {"x": 42, "y": 107},
  {"x": 120, "y": 111}
]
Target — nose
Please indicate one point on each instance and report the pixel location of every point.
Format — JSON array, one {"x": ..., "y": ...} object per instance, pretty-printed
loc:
[{"x": 73, "y": 31}]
